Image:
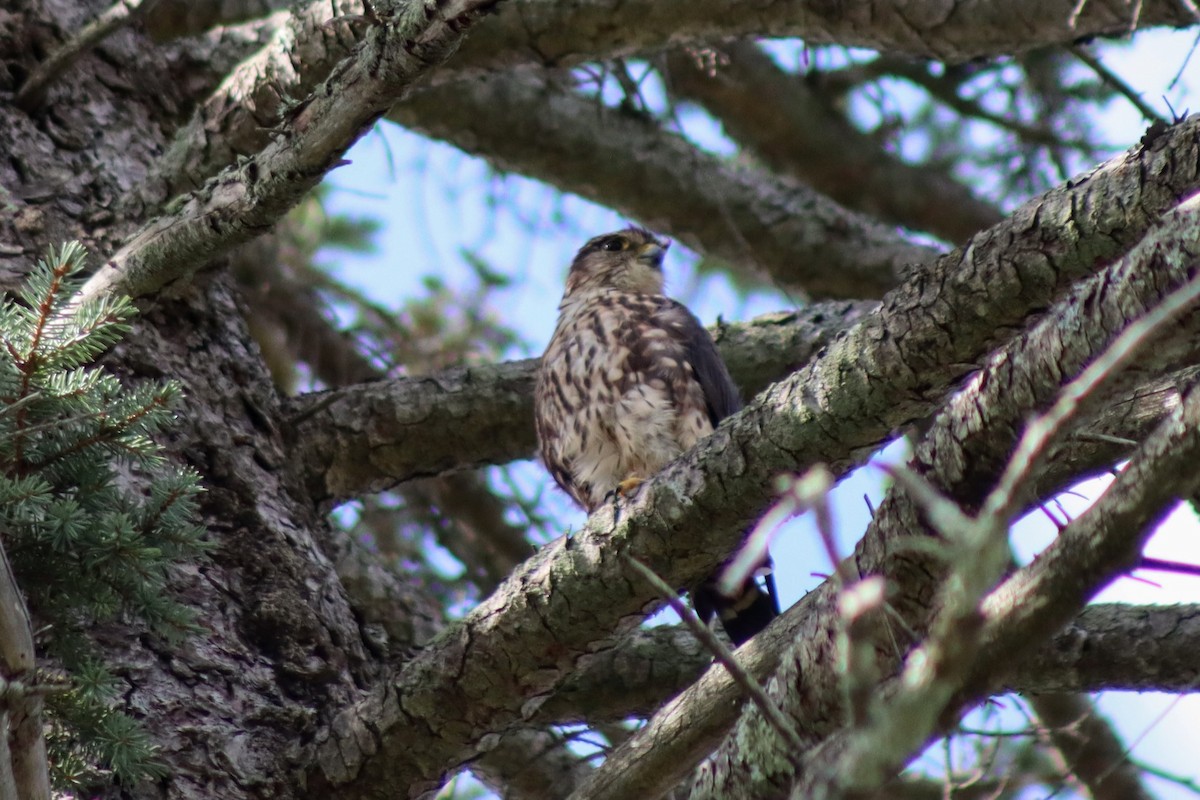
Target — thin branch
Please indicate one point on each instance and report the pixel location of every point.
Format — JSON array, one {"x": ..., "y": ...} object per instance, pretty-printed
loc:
[
  {"x": 803, "y": 133},
  {"x": 723, "y": 654},
  {"x": 1163, "y": 565},
  {"x": 1117, "y": 83}
]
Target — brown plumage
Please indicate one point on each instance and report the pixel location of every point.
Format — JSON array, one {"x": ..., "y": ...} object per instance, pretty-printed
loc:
[{"x": 629, "y": 381}]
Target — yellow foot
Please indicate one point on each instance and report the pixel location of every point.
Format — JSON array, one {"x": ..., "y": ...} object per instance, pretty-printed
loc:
[{"x": 627, "y": 486}]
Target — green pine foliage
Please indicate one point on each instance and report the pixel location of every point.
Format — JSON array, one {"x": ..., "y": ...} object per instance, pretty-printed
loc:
[{"x": 91, "y": 513}]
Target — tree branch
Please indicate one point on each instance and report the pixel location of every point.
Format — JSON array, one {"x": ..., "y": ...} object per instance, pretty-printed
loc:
[
  {"x": 803, "y": 135},
  {"x": 924, "y": 338},
  {"x": 372, "y": 436},
  {"x": 1108, "y": 647},
  {"x": 535, "y": 125},
  {"x": 492, "y": 669},
  {"x": 1090, "y": 746},
  {"x": 246, "y": 199},
  {"x": 1112, "y": 646},
  {"x": 963, "y": 458},
  {"x": 24, "y": 770},
  {"x": 550, "y": 33}
]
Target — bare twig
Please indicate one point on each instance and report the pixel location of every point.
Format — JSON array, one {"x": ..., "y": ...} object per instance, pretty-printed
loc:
[
  {"x": 702, "y": 632},
  {"x": 799, "y": 494},
  {"x": 1115, "y": 81},
  {"x": 862, "y": 610},
  {"x": 1163, "y": 565}
]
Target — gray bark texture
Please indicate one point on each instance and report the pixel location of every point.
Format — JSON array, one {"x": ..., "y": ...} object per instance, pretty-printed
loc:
[{"x": 172, "y": 139}]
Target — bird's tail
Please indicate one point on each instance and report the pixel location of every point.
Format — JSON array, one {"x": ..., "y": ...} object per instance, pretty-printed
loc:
[{"x": 746, "y": 613}]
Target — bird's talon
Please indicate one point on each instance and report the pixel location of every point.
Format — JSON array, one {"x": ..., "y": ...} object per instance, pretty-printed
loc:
[{"x": 629, "y": 485}]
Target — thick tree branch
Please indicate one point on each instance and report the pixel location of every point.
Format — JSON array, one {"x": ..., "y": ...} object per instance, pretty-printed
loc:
[
  {"x": 963, "y": 453},
  {"x": 802, "y": 134},
  {"x": 1111, "y": 646},
  {"x": 1108, "y": 647},
  {"x": 372, "y": 436},
  {"x": 556, "y": 34},
  {"x": 1091, "y": 748},
  {"x": 283, "y": 58},
  {"x": 537, "y": 125},
  {"x": 1037, "y": 600},
  {"x": 492, "y": 670},
  {"x": 248, "y": 198},
  {"x": 991, "y": 420},
  {"x": 926, "y": 336},
  {"x": 553, "y": 34}
]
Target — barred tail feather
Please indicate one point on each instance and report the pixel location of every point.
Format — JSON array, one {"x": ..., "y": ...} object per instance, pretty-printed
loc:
[{"x": 744, "y": 615}]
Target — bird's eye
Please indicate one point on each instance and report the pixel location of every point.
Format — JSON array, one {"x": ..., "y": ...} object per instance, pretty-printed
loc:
[{"x": 612, "y": 245}]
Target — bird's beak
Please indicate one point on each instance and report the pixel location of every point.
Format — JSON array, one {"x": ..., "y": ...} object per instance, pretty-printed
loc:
[{"x": 652, "y": 253}]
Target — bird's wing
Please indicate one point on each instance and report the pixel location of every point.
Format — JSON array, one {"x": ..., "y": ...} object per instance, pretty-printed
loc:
[
  {"x": 721, "y": 394},
  {"x": 757, "y": 603}
]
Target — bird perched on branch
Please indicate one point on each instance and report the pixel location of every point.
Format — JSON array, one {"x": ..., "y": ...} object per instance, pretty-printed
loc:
[{"x": 629, "y": 381}]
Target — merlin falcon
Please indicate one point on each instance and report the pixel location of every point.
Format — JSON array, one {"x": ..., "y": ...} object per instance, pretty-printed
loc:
[{"x": 629, "y": 381}]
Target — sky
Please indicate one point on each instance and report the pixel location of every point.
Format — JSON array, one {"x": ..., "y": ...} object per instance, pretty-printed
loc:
[{"x": 435, "y": 201}]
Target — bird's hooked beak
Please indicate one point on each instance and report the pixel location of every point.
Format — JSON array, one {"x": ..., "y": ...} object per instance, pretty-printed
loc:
[{"x": 652, "y": 253}]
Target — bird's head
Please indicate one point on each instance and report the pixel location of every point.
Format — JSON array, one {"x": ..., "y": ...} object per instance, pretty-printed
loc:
[{"x": 629, "y": 260}]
